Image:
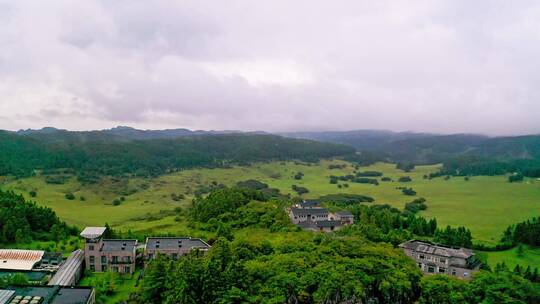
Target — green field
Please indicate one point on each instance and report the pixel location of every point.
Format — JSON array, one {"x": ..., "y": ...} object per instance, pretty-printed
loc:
[{"x": 486, "y": 205}]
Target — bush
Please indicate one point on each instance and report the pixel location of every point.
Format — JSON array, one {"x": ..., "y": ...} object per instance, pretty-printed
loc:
[
  {"x": 408, "y": 191},
  {"x": 300, "y": 190},
  {"x": 70, "y": 196},
  {"x": 386, "y": 179},
  {"x": 82, "y": 198},
  {"x": 116, "y": 202},
  {"x": 369, "y": 174},
  {"x": 405, "y": 179},
  {"x": 516, "y": 177},
  {"x": 299, "y": 176}
]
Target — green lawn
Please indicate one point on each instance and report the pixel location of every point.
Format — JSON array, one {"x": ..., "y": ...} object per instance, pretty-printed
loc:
[
  {"x": 486, "y": 205},
  {"x": 529, "y": 257}
]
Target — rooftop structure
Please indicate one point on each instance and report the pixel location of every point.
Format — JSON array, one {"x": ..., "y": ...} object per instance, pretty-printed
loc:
[
  {"x": 70, "y": 272},
  {"x": 47, "y": 295},
  {"x": 173, "y": 246},
  {"x": 118, "y": 245},
  {"x": 439, "y": 259},
  {"x": 307, "y": 203},
  {"x": 18, "y": 259},
  {"x": 6, "y": 295},
  {"x": 93, "y": 232}
]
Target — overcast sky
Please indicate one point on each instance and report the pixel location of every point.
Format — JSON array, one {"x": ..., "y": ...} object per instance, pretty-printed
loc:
[{"x": 437, "y": 66}]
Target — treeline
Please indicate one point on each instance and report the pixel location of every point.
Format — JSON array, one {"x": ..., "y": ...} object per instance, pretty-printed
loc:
[
  {"x": 476, "y": 165},
  {"x": 90, "y": 159},
  {"x": 22, "y": 221},
  {"x": 527, "y": 232}
]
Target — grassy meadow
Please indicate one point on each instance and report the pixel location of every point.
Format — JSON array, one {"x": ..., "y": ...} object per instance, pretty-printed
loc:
[{"x": 486, "y": 205}]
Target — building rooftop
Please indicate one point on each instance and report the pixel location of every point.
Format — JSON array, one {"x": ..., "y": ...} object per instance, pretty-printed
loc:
[
  {"x": 310, "y": 203},
  {"x": 48, "y": 294},
  {"x": 119, "y": 245},
  {"x": 18, "y": 259},
  {"x": 344, "y": 213},
  {"x": 175, "y": 242},
  {"x": 93, "y": 232},
  {"x": 436, "y": 249},
  {"x": 64, "y": 276},
  {"x": 315, "y": 211},
  {"x": 6, "y": 295}
]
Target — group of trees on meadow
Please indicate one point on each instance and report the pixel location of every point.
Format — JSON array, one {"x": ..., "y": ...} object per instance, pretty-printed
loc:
[
  {"x": 527, "y": 232},
  {"x": 22, "y": 221}
]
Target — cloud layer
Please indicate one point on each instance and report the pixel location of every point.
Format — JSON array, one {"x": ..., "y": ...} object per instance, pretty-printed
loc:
[{"x": 438, "y": 66}]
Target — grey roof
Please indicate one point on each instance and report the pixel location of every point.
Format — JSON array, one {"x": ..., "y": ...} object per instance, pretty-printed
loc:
[
  {"x": 344, "y": 213},
  {"x": 175, "y": 242},
  {"x": 118, "y": 245},
  {"x": 68, "y": 272},
  {"x": 310, "y": 203},
  {"x": 93, "y": 232},
  {"x": 314, "y": 211},
  {"x": 5, "y": 295},
  {"x": 440, "y": 250},
  {"x": 67, "y": 295}
]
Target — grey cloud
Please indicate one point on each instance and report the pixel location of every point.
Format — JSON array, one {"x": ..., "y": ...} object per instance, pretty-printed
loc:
[{"x": 440, "y": 66}]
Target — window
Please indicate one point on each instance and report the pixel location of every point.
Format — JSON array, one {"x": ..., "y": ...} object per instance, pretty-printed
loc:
[
  {"x": 127, "y": 269},
  {"x": 91, "y": 247},
  {"x": 127, "y": 259},
  {"x": 431, "y": 269},
  {"x": 92, "y": 268},
  {"x": 150, "y": 255},
  {"x": 114, "y": 268},
  {"x": 421, "y": 256},
  {"x": 103, "y": 259},
  {"x": 92, "y": 259},
  {"x": 115, "y": 259},
  {"x": 420, "y": 265},
  {"x": 103, "y": 268},
  {"x": 453, "y": 272},
  {"x": 175, "y": 256},
  {"x": 442, "y": 260},
  {"x": 442, "y": 270}
]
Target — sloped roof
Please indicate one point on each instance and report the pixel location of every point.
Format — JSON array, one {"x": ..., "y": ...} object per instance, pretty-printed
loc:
[
  {"x": 440, "y": 250},
  {"x": 6, "y": 295},
  {"x": 175, "y": 243},
  {"x": 119, "y": 245},
  {"x": 18, "y": 259},
  {"x": 93, "y": 232},
  {"x": 310, "y": 211}
]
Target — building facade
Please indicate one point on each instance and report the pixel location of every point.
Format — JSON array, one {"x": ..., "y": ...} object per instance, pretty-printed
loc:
[
  {"x": 102, "y": 254},
  {"x": 438, "y": 259}
]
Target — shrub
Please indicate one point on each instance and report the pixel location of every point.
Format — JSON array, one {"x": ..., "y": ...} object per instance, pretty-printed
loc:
[
  {"x": 516, "y": 177},
  {"x": 300, "y": 190},
  {"x": 408, "y": 191},
  {"x": 116, "y": 202},
  {"x": 405, "y": 179},
  {"x": 70, "y": 196}
]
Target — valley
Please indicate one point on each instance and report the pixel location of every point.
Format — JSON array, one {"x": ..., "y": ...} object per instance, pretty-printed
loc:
[{"x": 484, "y": 204}]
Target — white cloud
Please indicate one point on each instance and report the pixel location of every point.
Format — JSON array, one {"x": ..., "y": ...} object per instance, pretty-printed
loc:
[{"x": 440, "y": 66}]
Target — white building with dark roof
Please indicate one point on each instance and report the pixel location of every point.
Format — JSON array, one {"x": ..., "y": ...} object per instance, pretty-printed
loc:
[
  {"x": 103, "y": 254},
  {"x": 439, "y": 259}
]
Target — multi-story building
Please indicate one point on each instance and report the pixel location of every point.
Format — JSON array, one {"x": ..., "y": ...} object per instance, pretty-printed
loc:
[
  {"x": 108, "y": 254},
  {"x": 173, "y": 247},
  {"x": 438, "y": 259},
  {"x": 299, "y": 215}
]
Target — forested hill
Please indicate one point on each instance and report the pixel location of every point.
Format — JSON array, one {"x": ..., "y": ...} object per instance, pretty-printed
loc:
[
  {"x": 431, "y": 148},
  {"x": 92, "y": 156}
]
